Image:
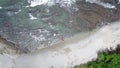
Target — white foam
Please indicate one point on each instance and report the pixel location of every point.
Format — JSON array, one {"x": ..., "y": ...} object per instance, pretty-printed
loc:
[
  {"x": 37, "y": 2},
  {"x": 119, "y": 2},
  {"x": 34, "y": 3},
  {"x": 32, "y": 17},
  {"x": 106, "y": 5},
  {"x": 1, "y": 7}
]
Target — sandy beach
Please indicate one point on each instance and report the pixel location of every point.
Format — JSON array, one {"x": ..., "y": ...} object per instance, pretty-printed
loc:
[{"x": 74, "y": 51}]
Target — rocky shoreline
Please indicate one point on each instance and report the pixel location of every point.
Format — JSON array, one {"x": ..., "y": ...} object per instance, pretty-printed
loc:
[
  {"x": 48, "y": 25},
  {"x": 96, "y": 14}
]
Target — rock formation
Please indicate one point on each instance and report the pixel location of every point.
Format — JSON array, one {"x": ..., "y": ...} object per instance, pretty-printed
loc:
[{"x": 31, "y": 28}]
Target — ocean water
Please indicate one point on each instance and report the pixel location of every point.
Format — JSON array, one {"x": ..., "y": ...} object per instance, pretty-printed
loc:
[
  {"x": 37, "y": 27},
  {"x": 30, "y": 23}
]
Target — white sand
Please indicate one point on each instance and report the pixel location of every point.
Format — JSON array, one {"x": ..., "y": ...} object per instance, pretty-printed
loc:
[{"x": 72, "y": 52}]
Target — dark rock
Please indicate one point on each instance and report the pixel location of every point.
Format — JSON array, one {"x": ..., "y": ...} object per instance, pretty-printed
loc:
[
  {"x": 114, "y": 2},
  {"x": 53, "y": 23},
  {"x": 96, "y": 14}
]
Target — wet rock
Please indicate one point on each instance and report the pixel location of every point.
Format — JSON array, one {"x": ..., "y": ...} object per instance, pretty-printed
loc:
[
  {"x": 29, "y": 35},
  {"x": 51, "y": 24},
  {"x": 114, "y": 2},
  {"x": 96, "y": 14}
]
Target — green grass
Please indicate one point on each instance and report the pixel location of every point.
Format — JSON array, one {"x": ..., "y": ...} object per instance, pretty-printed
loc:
[{"x": 107, "y": 59}]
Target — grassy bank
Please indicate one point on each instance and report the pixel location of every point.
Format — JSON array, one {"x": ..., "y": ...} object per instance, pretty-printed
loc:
[{"x": 107, "y": 59}]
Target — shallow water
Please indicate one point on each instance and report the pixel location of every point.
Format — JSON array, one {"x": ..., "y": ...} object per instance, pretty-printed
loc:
[
  {"x": 55, "y": 55},
  {"x": 74, "y": 51}
]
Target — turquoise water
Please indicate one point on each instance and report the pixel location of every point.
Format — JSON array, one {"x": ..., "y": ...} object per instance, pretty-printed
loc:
[{"x": 40, "y": 26}]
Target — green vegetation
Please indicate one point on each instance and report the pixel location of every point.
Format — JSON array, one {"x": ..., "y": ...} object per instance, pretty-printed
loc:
[{"x": 107, "y": 59}]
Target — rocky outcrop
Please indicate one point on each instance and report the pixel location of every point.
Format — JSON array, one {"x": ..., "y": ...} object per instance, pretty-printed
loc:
[
  {"x": 96, "y": 14},
  {"x": 51, "y": 24},
  {"x": 114, "y": 2}
]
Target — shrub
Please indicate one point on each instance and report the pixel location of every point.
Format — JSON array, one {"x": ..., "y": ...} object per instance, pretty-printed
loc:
[{"x": 107, "y": 59}]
